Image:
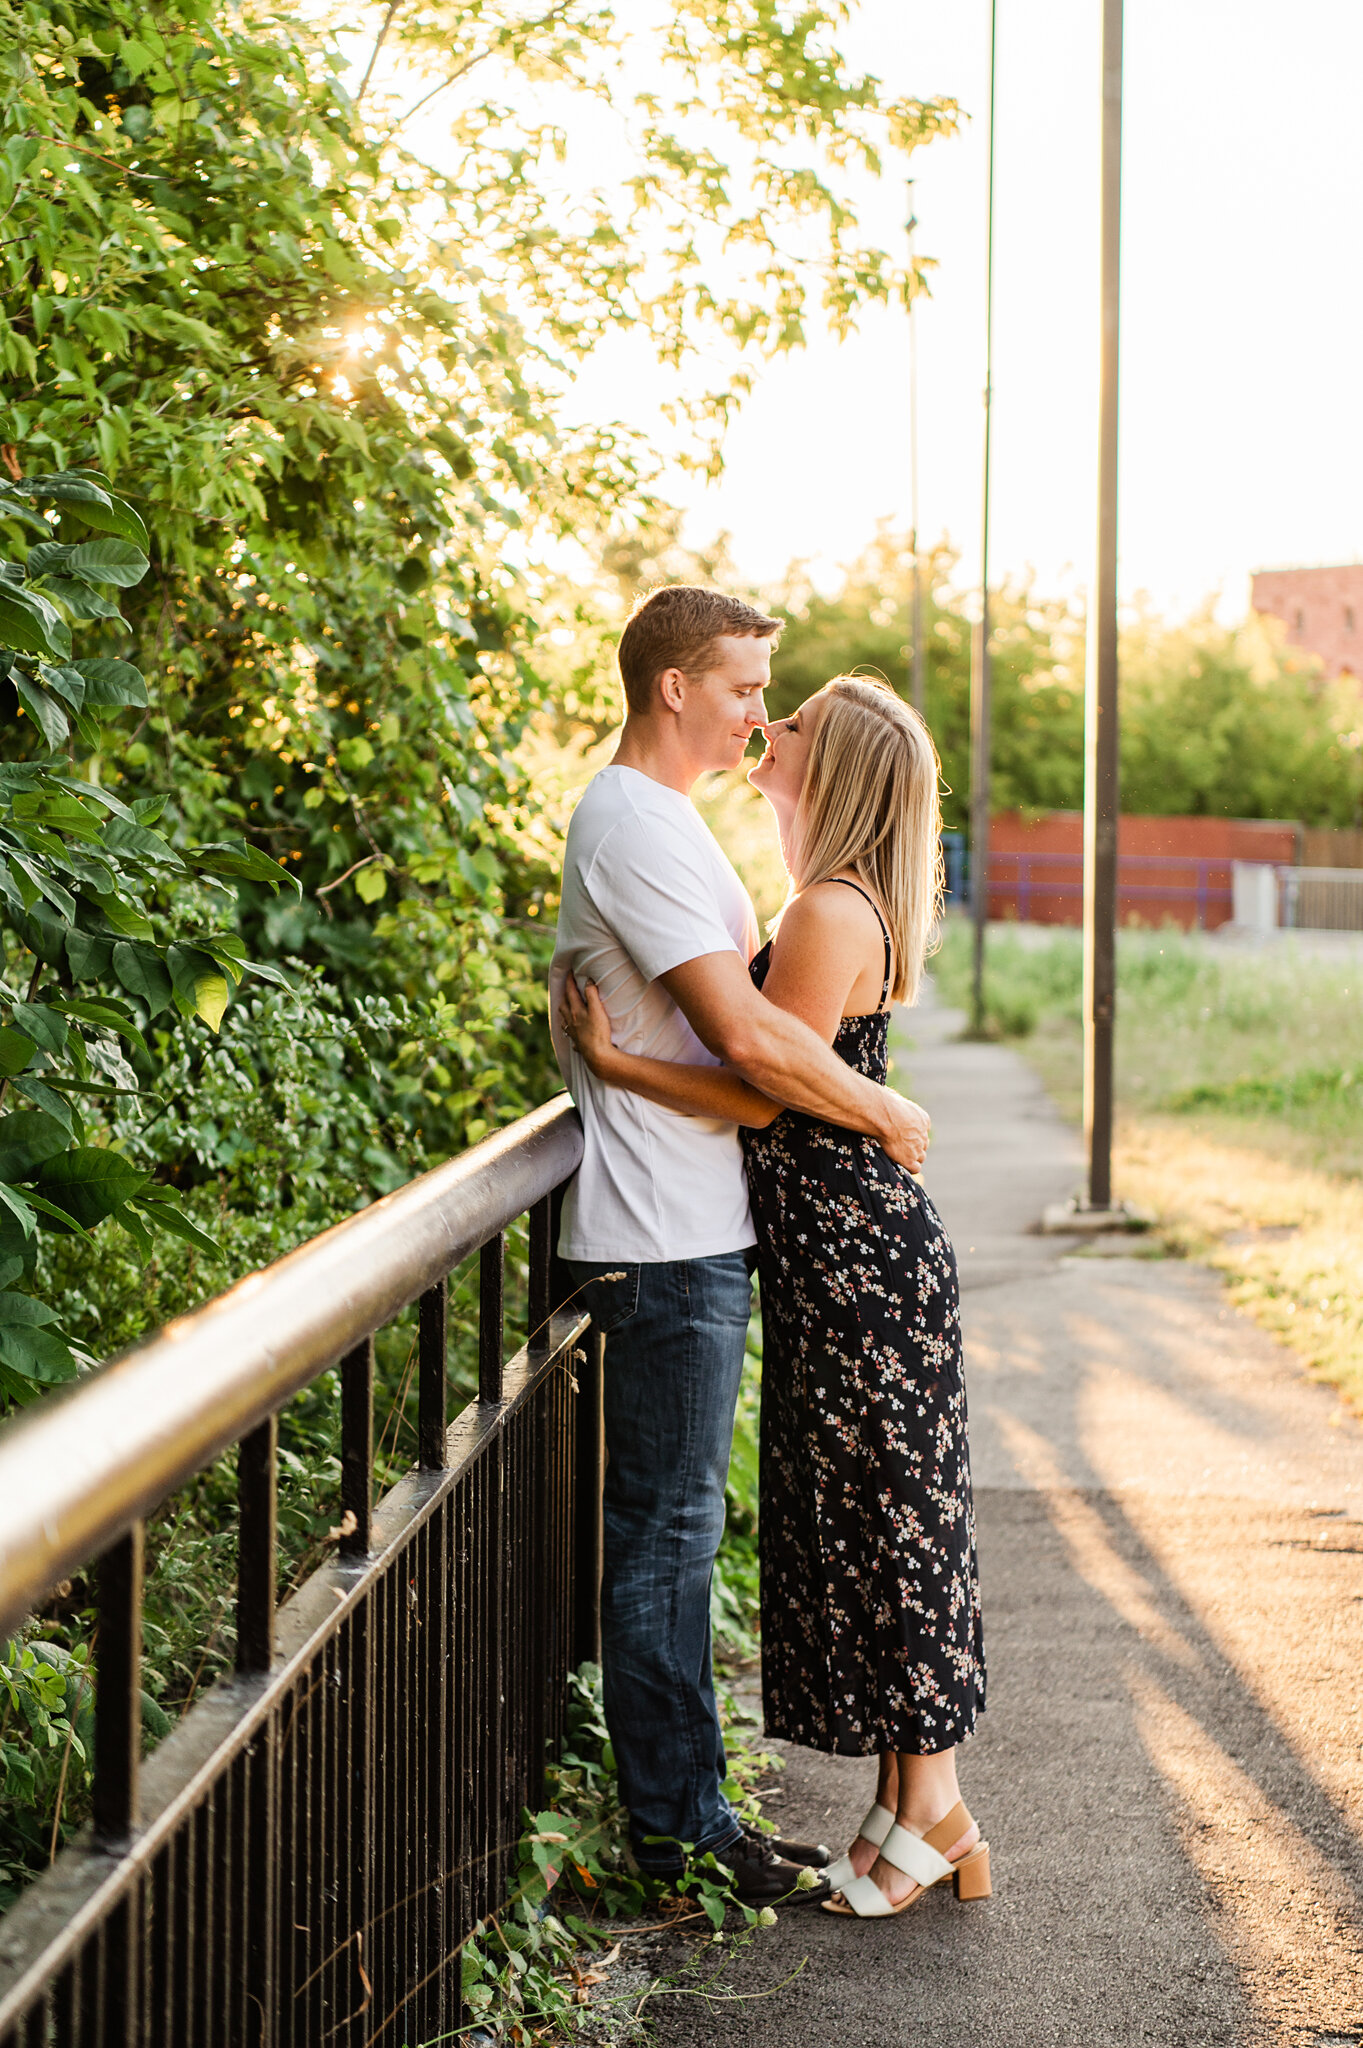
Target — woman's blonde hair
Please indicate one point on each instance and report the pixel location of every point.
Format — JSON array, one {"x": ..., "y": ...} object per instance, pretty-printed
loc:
[{"x": 870, "y": 805}]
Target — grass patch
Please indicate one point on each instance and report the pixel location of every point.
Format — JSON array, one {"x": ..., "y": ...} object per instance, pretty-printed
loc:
[
  {"x": 1288, "y": 1238},
  {"x": 1239, "y": 1081}
]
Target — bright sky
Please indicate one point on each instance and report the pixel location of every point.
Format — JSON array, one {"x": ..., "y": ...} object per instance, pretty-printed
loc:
[{"x": 1242, "y": 403}]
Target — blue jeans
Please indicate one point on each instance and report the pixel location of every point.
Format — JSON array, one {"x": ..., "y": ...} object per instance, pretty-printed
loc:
[{"x": 674, "y": 1357}]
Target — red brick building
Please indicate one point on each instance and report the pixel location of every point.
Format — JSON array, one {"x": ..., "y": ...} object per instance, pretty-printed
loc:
[{"x": 1322, "y": 610}]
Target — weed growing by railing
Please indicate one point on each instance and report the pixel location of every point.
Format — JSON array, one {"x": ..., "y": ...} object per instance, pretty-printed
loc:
[{"x": 542, "y": 1969}]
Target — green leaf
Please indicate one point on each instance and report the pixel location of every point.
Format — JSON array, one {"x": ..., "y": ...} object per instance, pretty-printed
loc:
[
  {"x": 57, "y": 1107},
  {"x": 36, "y": 1354},
  {"x": 371, "y": 883},
  {"x": 210, "y": 999},
  {"x": 22, "y": 1308},
  {"x": 240, "y": 861},
  {"x": 104, "y": 797},
  {"x": 90, "y": 957},
  {"x": 274, "y": 975},
  {"x": 124, "y": 916},
  {"x": 43, "y": 932},
  {"x": 61, "y": 1216},
  {"x": 46, "y": 1027},
  {"x": 109, "y": 1015},
  {"x": 112, "y": 682},
  {"x": 32, "y": 624},
  {"x": 46, "y": 713},
  {"x": 62, "y": 901},
  {"x": 80, "y": 599},
  {"x": 166, "y": 1217},
  {"x": 129, "y": 1221},
  {"x": 107, "y": 561},
  {"x": 188, "y": 965},
  {"x": 28, "y": 1137},
  {"x": 18, "y": 1208},
  {"x": 16, "y": 1050},
  {"x": 47, "y": 555},
  {"x": 123, "y": 836},
  {"x": 68, "y": 486},
  {"x": 89, "y": 1182},
  {"x": 142, "y": 974},
  {"x": 66, "y": 681},
  {"x": 117, "y": 517}
]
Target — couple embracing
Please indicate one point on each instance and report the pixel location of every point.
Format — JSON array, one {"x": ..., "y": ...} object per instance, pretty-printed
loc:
[{"x": 735, "y": 1115}]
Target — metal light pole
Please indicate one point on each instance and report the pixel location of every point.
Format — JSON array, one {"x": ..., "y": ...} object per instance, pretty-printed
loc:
[
  {"x": 1102, "y": 801},
  {"x": 917, "y": 674},
  {"x": 979, "y": 663}
]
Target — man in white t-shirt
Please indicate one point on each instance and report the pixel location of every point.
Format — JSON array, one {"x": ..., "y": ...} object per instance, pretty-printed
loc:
[{"x": 653, "y": 913}]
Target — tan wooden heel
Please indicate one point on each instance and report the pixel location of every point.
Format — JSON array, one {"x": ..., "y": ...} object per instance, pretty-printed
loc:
[{"x": 970, "y": 1879}]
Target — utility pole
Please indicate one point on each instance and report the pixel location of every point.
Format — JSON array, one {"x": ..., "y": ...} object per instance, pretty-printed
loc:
[
  {"x": 917, "y": 674},
  {"x": 1102, "y": 797},
  {"x": 979, "y": 665}
]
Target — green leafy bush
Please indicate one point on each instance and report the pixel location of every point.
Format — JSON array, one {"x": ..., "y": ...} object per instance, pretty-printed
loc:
[{"x": 85, "y": 968}]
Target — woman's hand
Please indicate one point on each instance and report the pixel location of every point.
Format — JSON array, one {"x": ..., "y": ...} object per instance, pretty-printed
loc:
[{"x": 585, "y": 1021}]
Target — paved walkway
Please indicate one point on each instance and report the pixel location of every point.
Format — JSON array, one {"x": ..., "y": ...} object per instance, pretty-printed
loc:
[{"x": 1171, "y": 1769}]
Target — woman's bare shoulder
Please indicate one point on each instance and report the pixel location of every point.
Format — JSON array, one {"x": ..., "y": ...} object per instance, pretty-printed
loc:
[
  {"x": 828, "y": 906},
  {"x": 828, "y": 914}
]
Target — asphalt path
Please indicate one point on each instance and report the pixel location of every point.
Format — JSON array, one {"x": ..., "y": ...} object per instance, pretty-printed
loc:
[{"x": 1170, "y": 1771}]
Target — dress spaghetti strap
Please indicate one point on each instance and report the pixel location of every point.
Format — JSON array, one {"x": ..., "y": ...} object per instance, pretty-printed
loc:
[{"x": 843, "y": 883}]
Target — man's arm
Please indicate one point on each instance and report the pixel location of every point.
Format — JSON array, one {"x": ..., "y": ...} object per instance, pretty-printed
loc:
[{"x": 786, "y": 1059}]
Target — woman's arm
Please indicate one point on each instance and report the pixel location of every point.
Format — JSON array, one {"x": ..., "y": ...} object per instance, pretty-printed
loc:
[{"x": 695, "y": 1091}]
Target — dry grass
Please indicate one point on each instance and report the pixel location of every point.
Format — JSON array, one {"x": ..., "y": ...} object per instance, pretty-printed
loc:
[
  {"x": 1240, "y": 1090},
  {"x": 1288, "y": 1237}
]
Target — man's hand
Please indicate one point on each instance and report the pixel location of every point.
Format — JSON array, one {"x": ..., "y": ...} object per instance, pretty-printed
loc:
[{"x": 907, "y": 1144}]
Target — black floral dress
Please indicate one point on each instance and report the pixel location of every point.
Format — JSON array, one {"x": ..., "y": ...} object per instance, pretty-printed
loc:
[{"x": 871, "y": 1631}]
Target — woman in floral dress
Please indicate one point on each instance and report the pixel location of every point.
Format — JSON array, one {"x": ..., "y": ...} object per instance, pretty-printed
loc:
[{"x": 871, "y": 1631}]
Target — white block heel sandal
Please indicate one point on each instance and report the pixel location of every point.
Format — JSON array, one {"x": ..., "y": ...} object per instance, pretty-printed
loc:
[
  {"x": 873, "y": 1829},
  {"x": 922, "y": 1858}
]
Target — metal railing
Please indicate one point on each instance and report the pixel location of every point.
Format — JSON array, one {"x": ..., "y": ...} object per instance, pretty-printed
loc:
[
  {"x": 1321, "y": 899},
  {"x": 299, "y": 1860}
]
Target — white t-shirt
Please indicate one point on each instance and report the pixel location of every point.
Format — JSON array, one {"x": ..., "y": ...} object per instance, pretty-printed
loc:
[{"x": 646, "y": 887}]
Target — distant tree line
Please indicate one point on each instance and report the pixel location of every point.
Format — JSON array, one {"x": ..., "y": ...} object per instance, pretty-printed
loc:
[{"x": 1216, "y": 720}]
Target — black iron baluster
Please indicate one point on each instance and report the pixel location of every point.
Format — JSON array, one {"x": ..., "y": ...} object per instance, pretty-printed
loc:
[
  {"x": 357, "y": 1447},
  {"x": 257, "y": 1531},
  {"x": 256, "y": 1815},
  {"x": 490, "y": 1319},
  {"x": 261, "y": 1818},
  {"x": 590, "y": 1443},
  {"x": 541, "y": 1263},
  {"x": 436, "y": 1735},
  {"x": 355, "y": 1807},
  {"x": 118, "y": 1689},
  {"x": 118, "y": 2019},
  {"x": 432, "y": 1340}
]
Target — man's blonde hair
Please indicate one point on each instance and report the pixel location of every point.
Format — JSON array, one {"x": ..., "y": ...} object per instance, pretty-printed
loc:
[{"x": 870, "y": 805}]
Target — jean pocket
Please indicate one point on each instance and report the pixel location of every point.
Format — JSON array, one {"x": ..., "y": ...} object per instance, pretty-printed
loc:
[{"x": 611, "y": 1296}]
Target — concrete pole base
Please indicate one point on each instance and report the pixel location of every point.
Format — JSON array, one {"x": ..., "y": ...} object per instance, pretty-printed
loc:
[{"x": 1076, "y": 1219}]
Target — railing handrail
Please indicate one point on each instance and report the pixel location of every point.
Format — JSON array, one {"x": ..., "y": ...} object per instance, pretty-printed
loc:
[{"x": 79, "y": 1469}]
